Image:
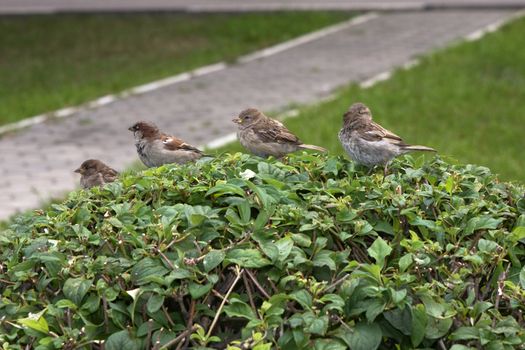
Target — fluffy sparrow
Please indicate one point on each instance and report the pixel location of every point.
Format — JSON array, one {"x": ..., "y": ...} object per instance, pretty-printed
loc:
[
  {"x": 367, "y": 142},
  {"x": 156, "y": 148},
  {"x": 264, "y": 136},
  {"x": 95, "y": 173}
]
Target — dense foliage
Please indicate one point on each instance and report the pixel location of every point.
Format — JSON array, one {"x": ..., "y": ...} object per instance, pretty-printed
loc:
[{"x": 247, "y": 253}]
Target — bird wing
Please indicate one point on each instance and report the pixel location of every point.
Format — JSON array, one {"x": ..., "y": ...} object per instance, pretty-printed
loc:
[
  {"x": 275, "y": 131},
  {"x": 375, "y": 132},
  {"x": 172, "y": 143},
  {"x": 109, "y": 175}
]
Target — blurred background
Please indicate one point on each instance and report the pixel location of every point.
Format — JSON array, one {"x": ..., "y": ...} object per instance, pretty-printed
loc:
[{"x": 447, "y": 74}]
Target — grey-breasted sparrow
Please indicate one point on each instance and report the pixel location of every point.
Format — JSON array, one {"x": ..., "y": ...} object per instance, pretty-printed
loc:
[
  {"x": 156, "y": 148},
  {"x": 93, "y": 172},
  {"x": 264, "y": 136},
  {"x": 367, "y": 142}
]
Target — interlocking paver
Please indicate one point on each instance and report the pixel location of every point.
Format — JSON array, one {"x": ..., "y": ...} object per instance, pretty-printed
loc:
[{"x": 37, "y": 162}]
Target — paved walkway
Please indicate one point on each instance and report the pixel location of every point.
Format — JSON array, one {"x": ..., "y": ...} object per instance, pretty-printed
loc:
[
  {"x": 50, "y": 6},
  {"x": 37, "y": 162}
]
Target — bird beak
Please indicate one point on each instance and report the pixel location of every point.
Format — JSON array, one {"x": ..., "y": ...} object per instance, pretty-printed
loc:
[
  {"x": 130, "y": 128},
  {"x": 77, "y": 171},
  {"x": 236, "y": 120}
]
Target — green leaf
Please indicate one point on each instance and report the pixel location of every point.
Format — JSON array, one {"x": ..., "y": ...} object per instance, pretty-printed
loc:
[
  {"x": 449, "y": 184},
  {"x": 148, "y": 270},
  {"x": 76, "y": 288},
  {"x": 332, "y": 301},
  {"x": 91, "y": 304},
  {"x": 419, "y": 324},
  {"x": 398, "y": 295},
  {"x": 437, "y": 328},
  {"x": 36, "y": 322},
  {"x": 122, "y": 340},
  {"x": 213, "y": 259},
  {"x": 323, "y": 258},
  {"x": 461, "y": 347},
  {"x": 197, "y": 290},
  {"x": 155, "y": 302},
  {"x": 374, "y": 307},
  {"x": 405, "y": 261},
  {"x": 301, "y": 239},
  {"x": 465, "y": 333},
  {"x": 379, "y": 250},
  {"x": 328, "y": 344},
  {"x": 482, "y": 222},
  {"x": 249, "y": 258},
  {"x": 264, "y": 346},
  {"x": 225, "y": 188},
  {"x": 66, "y": 303},
  {"x": 284, "y": 245},
  {"x": 518, "y": 233},
  {"x": 318, "y": 325},
  {"x": 238, "y": 308},
  {"x": 401, "y": 319},
  {"x": 522, "y": 277},
  {"x": 366, "y": 336},
  {"x": 302, "y": 297}
]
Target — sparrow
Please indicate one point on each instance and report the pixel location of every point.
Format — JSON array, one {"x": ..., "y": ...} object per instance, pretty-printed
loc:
[
  {"x": 367, "y": 142},
  {"x": 264, "y": 136},
  {"x": 156, "y": 148},
  {"x": 95, "y": 173}
]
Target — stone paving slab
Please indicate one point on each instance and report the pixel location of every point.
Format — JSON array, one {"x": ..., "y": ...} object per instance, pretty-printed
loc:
[
  {"x": 53, "y": 6},
  {"x": 37, "y": 162}
]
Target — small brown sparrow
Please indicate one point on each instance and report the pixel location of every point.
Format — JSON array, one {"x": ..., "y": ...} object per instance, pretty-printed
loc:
[
  {"x": 156, "y": 148},
  {"x": 264, "y": 136},
  {"x": 367, "y": 142},
  {"x": 95, "y": 173}
]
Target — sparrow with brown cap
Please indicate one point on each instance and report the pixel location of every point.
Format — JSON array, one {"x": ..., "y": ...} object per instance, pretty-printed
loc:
[
  {"x": 93, "y": 172},
  {"x": 264, "y": 136},
  {"x": 367, "y": 142},
  {"x": 156, "y": 148}
]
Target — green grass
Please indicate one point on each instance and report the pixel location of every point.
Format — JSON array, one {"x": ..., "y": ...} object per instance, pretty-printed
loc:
[
  {"x": 468, "y": 102},
  {"x": 48, "y": 62}
]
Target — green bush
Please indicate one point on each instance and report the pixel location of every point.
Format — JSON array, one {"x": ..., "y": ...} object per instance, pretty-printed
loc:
[{"x": 243, "y": 253}]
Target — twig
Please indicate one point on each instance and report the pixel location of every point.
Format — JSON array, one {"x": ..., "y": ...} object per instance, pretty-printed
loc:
[
  {"x": 261, "y": 289},
  {"x": 148, "y": 338},
  {"x": 217, "y": 294},
  {"x": 6, "y": 281},
  {"x": 274, "y": 287},
  {"x": 499, "y": 292},
  {"x": 157, "y": 342},
  {"x": 216, "y": 318},
  {"x": 168, "y": 316},
  {"x": 182, "y": 307},
  {"x": 170, "y": 264},
  {"x": 105, "y": 309},
  {"x": 338, "y": 282},
  {"x": 249, "y": 291},
  {"x": 343, "y": 323},
  {"x": 68, "y": 315},
  {"x": 188, "y": 326},
  {"x": 442, "y": 344},
  {"x": 179, "y": 338}
]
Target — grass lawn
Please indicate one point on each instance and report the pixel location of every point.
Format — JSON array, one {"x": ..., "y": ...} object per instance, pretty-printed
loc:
[
  {"x": 49, "y": 62},
  {"x": 468, "y": 102}
]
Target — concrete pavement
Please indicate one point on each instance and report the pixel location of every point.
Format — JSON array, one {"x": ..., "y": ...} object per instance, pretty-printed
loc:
[
  {"x": 54, "y": 6},
  {"x": 37, "y": 161}
]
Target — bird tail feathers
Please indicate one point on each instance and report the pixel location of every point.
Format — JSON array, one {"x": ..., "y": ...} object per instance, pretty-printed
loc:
[
  {"x": 419, "y": 148},
  {"x": 313, "y": 147}
]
